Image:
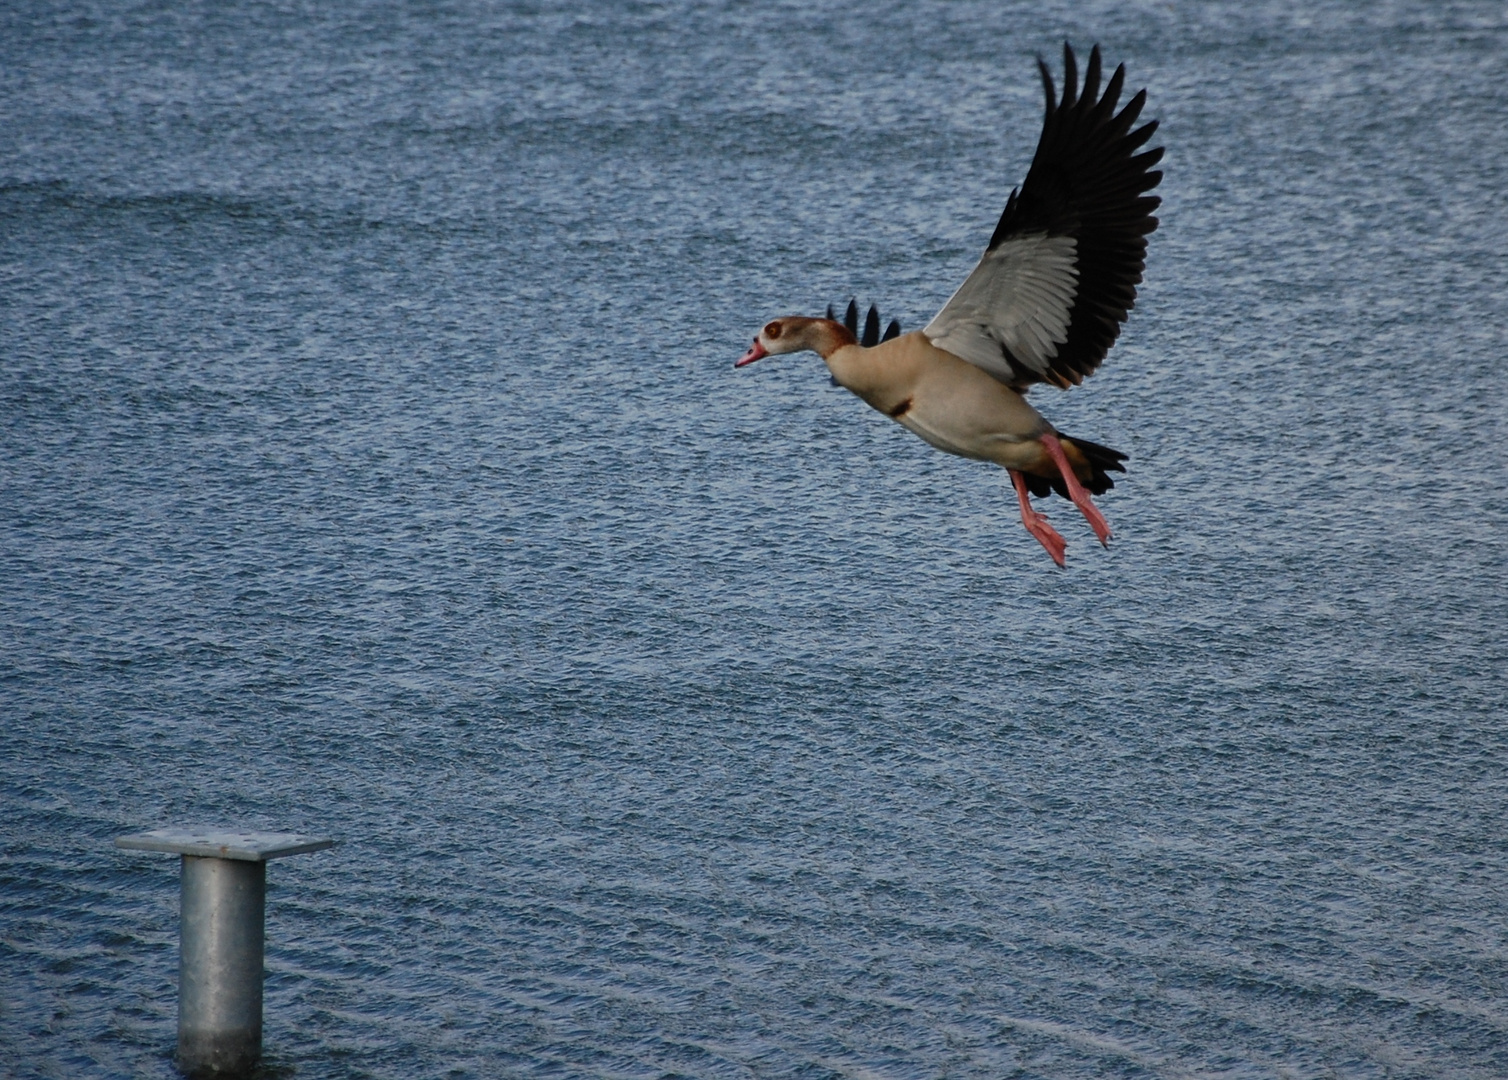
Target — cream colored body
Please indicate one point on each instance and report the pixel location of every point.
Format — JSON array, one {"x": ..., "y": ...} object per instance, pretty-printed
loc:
[{"x": 949, "y": 402}]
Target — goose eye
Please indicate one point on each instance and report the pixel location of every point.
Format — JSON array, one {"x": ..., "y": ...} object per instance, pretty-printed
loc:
[{"x": 772, "y": 330}]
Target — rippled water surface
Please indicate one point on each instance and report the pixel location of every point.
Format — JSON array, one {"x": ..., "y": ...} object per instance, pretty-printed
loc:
[{"x": 372, "y": 464}]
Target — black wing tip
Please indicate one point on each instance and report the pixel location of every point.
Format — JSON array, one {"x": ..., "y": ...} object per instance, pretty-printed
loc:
[
  {"x": 1047, "y": 86},
  {"x": 1092, "y": 78},
  {"x": 1070, "y": 77},
  {"x": 871, "y": 335},
  {"x": 1087, "y": 95}
]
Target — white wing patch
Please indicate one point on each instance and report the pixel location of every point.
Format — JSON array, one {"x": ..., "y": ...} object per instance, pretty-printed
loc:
[{"x": 1020, "y": 296}]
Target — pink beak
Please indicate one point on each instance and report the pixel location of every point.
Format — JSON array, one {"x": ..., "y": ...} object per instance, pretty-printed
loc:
[{"x": 756, "y": 350}]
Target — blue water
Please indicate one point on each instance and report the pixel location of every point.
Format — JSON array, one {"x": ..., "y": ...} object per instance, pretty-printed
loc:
[{"x": 372, "y": 464}]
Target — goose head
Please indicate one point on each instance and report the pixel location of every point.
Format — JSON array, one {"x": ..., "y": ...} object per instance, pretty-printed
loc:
[{"x": 795, "y": 333}]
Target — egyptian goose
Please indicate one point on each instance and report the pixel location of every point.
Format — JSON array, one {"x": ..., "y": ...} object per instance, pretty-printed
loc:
[{"x": 1044, "y": 304}]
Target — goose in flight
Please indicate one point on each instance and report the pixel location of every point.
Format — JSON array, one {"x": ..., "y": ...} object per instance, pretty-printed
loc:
[{"x": 1045, "y": 304}]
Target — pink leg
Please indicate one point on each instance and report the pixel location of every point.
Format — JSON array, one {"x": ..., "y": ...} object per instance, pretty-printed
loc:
[
  {"x": 1076, "y": 490},
  {"x": 1036, "y": 523}
]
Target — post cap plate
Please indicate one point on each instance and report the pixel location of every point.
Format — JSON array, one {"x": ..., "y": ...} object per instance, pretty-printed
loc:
[{"x": 216, "y": 843}]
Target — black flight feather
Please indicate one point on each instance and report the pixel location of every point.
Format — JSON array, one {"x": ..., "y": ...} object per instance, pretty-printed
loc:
[
  {"x": 1087, "y": 182},
  {"x": 871, "y": 335}
]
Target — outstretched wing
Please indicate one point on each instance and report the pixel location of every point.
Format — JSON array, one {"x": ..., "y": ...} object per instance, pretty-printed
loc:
[{"x": 1047, "y": 300}]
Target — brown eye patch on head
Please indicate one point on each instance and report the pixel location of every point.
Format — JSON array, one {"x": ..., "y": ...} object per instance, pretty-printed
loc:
[{"x": 772, "y": 330}]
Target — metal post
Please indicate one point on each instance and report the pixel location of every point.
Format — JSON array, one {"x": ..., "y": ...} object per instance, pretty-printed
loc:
[
  {"x": 220, "y": 965},
  {"x": 224, "y": 889}
]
